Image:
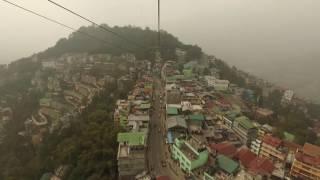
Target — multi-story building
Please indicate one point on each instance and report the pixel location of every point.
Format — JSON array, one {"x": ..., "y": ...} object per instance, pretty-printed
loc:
[
  {"x": 272, "y": 148},
  {"x": 245, "y": 129},
  {"x": 228, "y": 118},
  {"x": 192, "y": 98},
  {"x": 131, "y": 154},
  {"x": 306, "y": 164},
  {"x": 256, "y": 144},
  {"x": 189, "y": 158},
  {"x": 138, "y": 122},
  {"x": 221, "y": 85},
  {"x": 218, "y": 84}
]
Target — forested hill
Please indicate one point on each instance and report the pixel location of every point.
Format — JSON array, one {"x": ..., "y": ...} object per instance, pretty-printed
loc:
[{"x": 146, "y": 39}]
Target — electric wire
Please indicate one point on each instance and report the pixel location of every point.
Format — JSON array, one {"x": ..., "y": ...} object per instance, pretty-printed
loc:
[{"x": 64, "y": 25}]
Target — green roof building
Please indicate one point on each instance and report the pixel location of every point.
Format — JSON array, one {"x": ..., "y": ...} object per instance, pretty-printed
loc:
[
  {"x": 132, "y": 138},
  {"x": 172, "y": 111},
  {"x": 131, "y": 153},
  {"x": 196, "y": 117},
  {"x": 145, "y": 106},
  {"x": 229, "y": 117},
  {"x": 195, "y": 122},
  {"x": 226, "y": 164},
  {"x": 244, "y": 127},
  {"x": 244, "y": 122},
  {"x": 187, "y": 156}
]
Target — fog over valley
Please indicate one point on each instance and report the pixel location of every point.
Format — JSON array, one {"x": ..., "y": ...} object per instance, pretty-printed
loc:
[{"x": 275, "y": 40}]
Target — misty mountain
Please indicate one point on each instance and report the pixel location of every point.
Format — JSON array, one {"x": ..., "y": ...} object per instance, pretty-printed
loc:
[{"x": 141, "y": 42}]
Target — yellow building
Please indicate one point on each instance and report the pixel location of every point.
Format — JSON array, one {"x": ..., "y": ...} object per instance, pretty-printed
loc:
[{"x": 306, "y": 164}]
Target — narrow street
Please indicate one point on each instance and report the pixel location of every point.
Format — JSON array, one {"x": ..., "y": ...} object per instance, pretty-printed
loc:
[{"x": 158, "y": 156}]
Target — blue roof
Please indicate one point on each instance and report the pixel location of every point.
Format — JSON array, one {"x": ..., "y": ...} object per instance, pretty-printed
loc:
[{"x": 170, "y": 137}]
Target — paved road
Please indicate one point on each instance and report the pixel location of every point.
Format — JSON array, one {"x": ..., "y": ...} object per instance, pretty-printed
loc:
[{"x": 157, "y": 147}]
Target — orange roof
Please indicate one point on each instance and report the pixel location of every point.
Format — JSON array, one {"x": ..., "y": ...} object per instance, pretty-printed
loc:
[
  {"x": 272, "y": 141},
  {"x": 311, "y": 150}
]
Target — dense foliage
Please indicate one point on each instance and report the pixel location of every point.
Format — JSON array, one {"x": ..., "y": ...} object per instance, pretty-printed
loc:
[
  {"x": 142, "y": 43},
  {"x": 88, "y": 147}
]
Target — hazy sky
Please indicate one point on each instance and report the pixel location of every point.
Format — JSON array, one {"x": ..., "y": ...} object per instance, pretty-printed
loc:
[{"x": 270, "y": 38}]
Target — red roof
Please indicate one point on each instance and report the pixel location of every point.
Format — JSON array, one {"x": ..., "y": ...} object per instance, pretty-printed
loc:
[
  {"x": 255, "y": 164},
  {"x": 272, "y": 141},
  {"x": 245, "y": 156},
  {"x": 226, "y": 149},
  {"x": 261, "y": 166}
]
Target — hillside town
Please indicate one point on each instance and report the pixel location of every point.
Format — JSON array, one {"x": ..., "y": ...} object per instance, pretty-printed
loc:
[
  {"x": 206, "y": 128},
  {"x": 65, "y": 86},
  {"x": 180, "y": 119}
]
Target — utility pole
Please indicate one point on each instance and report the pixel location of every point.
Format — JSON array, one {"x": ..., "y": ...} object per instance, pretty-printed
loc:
[
  {"x": 159, "y": 24},
  {"x": 158, "y": 52}
]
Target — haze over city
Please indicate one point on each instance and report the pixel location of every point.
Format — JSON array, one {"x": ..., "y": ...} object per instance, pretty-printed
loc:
[
  {"x": 277, "y": 40},
  {"x": 159, "y": 89}
]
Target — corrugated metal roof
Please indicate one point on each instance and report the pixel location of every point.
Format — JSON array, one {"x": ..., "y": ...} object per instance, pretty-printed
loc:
[
  {"x": 172, "y": 110},
  {"x": 227, "y": 164},
  {"x": 245, "y": 122},
  {"x": 176, "y": 121}
]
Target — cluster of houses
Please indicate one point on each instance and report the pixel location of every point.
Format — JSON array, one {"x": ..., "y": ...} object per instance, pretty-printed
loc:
[
  {"x": 68, "y": 85},
  {"x": 211, "y": 137},
  {"x": 133, "y": 116}
]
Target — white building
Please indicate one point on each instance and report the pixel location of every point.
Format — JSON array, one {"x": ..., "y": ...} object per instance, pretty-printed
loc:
[
  {"x": 218, "y": 84},
  {"x": 287, "y": 96},
  {"x": 255, "y": 146}
]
